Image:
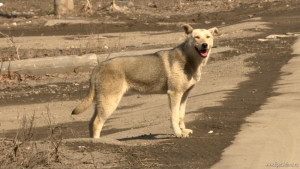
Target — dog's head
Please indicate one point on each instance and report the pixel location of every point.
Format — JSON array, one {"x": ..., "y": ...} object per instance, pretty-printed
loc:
[{"x": 200, "y": 41}]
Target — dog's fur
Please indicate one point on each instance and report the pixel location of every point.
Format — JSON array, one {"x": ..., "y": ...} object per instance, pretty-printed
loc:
[{"x": 173, "y": 72}]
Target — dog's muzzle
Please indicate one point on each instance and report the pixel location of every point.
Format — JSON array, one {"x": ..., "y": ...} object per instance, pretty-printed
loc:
[{"x": 202, "y": 50}]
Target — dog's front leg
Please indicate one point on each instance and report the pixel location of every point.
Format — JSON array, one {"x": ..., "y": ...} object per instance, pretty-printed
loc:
[
  {"x": 185, "y": 132},
  {"x": 174, "y": 101}
]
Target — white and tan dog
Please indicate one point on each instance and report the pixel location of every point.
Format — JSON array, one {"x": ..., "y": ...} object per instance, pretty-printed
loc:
[{"x": 173, "y": 72}]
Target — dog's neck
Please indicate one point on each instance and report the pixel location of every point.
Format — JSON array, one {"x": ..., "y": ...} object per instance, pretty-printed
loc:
[{"x": 194, "y": 62}]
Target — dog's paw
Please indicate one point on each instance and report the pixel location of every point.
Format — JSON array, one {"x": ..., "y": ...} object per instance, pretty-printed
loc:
[
  {"x": 178, "y": 133},
  {"x": 186, "y": 132}
]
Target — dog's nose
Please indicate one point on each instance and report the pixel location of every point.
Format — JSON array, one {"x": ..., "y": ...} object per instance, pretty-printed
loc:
[{"x": 204, "y": 45}]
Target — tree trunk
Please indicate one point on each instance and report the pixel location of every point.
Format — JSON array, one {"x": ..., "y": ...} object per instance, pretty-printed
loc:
[{"x": 62, "y": 7}]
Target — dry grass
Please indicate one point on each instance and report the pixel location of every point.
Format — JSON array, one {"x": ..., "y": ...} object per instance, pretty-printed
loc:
[
  {"x": 15, "y": 47},
  {"x": 23, "y": 152},
  {"x": 87, "y": 7},
  {"x": 13, "y": 44},
  {"x": 55, "y": 137}
]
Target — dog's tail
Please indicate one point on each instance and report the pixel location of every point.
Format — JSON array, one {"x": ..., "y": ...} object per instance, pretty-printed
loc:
[{"x": 87, "y": 101}]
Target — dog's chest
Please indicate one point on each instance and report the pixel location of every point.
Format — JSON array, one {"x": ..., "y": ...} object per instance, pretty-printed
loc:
[
  {"x": 192, "y": 81},
  {"x": 197, "y": 76}
]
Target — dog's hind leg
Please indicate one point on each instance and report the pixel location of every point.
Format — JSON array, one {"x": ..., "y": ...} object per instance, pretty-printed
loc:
[{"x": 105, "y": 106}]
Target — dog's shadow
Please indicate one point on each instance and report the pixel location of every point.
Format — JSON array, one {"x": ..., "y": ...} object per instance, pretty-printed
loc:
[{"x": 148, "y": 137}]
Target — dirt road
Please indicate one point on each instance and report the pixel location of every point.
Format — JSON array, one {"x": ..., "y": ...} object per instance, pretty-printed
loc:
[
  {"x": 238, "y": 85},
  {"x": 269, "y": 139}
]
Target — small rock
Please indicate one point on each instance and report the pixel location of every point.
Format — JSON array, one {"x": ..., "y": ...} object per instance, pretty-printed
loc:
[
  {"x": 130, "y": 4},
  {"x": 15, "y": 13},
  {"x": 260, "y": 5},
  {"x": 14, "y": 24},
  {"x": 116, "y": 8},
  {"x": 52, "y": 85},
  {"x": 210, "y": 132},
  {"x": 105, "y": 47},
  {"x": 30, "y": 13},
  {"x": 250, "y": 16},
  {"x": 133, "y": 18},
  {"x": 81, "y": 147},
  {"x": 1, "y": 4},
  {"x": 99, "y": 6},
  {"x": 265, "y": 40},
  {"x": 22, "y": 78},
  {"x": 254, "y": 91},
  {"x": 207, "y": 22},
  {"x": 262, "y": 40},
  {"x": 152, "y": 5},
  {"x": 279, "y": 36}
]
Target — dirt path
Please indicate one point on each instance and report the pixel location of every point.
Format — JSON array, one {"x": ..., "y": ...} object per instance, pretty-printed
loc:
[
  {"x": 235, "y": 85},
  {"x": 269, "y": 139}
]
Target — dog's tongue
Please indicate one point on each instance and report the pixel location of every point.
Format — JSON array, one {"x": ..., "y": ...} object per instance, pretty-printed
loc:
[{"x": 204, "y": 52}]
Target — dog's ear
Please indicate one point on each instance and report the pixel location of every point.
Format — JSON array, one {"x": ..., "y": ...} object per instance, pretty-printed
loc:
[
  {"x": 214, "y": 30},
  {"x": 187, "y": 29}
]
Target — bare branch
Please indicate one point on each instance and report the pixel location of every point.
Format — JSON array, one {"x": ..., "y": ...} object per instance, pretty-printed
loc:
[{"x": 12, "y": 43}]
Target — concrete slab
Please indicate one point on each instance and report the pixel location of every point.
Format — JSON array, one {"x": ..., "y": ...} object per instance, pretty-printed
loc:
[
  {"x": 50, "y": 65},
  {"x": 68, "y": 64}
]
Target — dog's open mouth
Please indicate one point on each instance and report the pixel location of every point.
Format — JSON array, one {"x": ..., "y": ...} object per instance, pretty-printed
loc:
[{"x": 202, "y": 52}]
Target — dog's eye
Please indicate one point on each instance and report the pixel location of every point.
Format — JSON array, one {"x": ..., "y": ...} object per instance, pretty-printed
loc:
[
  {"x": 207, "y": 37},
  {"x": 197, "y": 37}
]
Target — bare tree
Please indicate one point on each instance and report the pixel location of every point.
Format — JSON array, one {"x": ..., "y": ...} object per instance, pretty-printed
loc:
[
  {"x": 63, "y": 6},
  {"x": 87, "y": 7}
]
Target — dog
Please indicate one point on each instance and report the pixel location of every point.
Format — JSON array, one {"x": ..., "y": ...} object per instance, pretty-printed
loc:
[{"x": 173, "y": 72}]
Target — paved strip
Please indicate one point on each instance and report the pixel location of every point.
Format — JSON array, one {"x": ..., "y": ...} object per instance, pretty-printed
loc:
[
  {"x": 126, "y": 39},
  {"x": 270, "y": 138}
]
